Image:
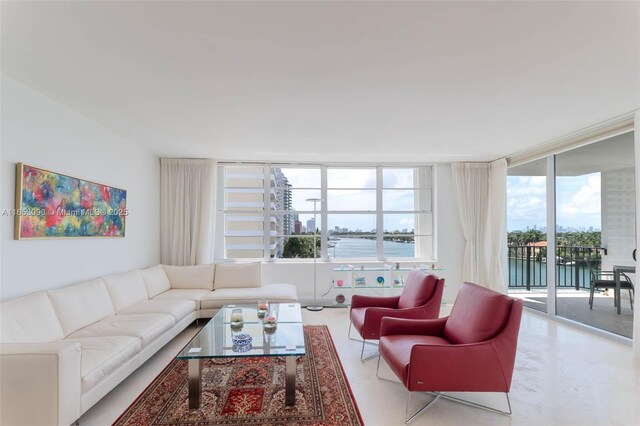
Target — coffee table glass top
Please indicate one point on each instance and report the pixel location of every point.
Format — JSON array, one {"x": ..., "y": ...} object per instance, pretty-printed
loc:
[{"x": 215, "y": 340}]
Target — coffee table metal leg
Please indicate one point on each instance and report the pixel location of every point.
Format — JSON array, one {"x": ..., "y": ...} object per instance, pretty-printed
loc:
[
  {"x": 290, "y": 381},
  {"x": 195, "y": 382}
]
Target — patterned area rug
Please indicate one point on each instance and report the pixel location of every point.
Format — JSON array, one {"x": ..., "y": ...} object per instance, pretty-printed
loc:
[{"x": 250, "y": 391}]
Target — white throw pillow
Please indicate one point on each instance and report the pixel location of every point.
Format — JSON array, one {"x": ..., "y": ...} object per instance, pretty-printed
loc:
[
  {"x": 125, "y": 289},
  {"x": 156, "y": 280},
  {"x": 77, "y": 306},
  {"x": 29, "y": 319},
  {"x": 190, "y": 277},
  {"x": 237, "y": 275}
]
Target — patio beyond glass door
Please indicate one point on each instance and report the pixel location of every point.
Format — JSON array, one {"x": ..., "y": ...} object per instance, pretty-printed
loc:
[
  {"x": 527, "y": 233},
  {"x": 595, "y": 231}
]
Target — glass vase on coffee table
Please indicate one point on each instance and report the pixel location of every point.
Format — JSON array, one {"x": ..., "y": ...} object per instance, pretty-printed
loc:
[{"x": 263, "y": 308}]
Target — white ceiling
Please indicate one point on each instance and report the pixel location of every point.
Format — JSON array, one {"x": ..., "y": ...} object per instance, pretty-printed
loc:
[{"x": 331, "y": 81}]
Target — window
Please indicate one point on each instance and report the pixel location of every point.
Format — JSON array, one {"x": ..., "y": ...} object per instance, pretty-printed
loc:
[
  {"x": 369, "y": 212},
  {"x": 244, "y": 211},
  {"x": 407, "y": 212},
  {"x": 294, "y": 215},
  {"x": 352, "y": 212}
]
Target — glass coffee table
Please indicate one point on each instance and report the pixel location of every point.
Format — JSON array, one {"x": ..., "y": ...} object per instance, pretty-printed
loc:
[{"x": 220, "y": 339}]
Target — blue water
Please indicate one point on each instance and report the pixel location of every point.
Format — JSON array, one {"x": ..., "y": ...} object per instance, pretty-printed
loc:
[
  {"x": 360, "y": 247},
  {"x": 565, "y": 274}
]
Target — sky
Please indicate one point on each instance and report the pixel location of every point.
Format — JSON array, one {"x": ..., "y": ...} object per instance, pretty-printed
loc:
[
  {"x": 578, "y": 201},
  {"x": 354, "y": 189},
  {"x": 578, "y": 198}
]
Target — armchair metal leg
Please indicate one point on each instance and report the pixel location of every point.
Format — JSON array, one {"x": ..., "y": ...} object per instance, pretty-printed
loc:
[
  {"x": 482, "y": 407},
  {"x": 362, "y": 358},
  {"x": 407, "y": 419},
  {"x": 349, "y": 333},
  {"x": 438, "y": 395},
  {"x": 364, "y": 341},
  {"x": 397, "y": 381}
]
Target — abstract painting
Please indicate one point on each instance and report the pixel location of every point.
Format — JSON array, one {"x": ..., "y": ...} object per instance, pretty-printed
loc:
[{"x": 53, "y": 205}]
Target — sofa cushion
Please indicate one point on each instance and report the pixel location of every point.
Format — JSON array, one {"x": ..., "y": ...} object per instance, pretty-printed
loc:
[
  {"x": 418, "y": 289},
  {"x": 29, "y": 319},
  {"x": 125, "y": 289},
  {"x": 102, "y": 355},
  {"x": 278, "y": 293},
  {"x": 478, "y": 314},
  {"x": 155, "y": 280},
  {"x": 143, "y": 326},
  {"x": 80, "y": 305},
  {"x": 190, "y": 277},
  {"x": 180, "y": 294},
  {"x": 237, "y": 275},
  {"x": 179, "y": 308}
]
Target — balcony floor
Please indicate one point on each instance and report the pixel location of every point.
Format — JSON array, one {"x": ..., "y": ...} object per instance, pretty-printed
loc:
[{"x": 574, "y": 305}]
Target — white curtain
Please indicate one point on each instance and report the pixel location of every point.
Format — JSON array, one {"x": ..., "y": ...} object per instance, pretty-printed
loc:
[
  {"x": 497, "y": 238},
  {"x": 187, "y": 209},
  {"x": 471, "y": 185}
]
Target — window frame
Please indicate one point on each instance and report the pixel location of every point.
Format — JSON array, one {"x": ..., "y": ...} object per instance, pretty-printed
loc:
[{"x": 323, "y": 213}]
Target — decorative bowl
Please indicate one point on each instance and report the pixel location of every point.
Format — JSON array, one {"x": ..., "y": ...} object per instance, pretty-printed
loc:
[
  {"x": 241, "y": 348},
  {"x": 241, "y": 339}
]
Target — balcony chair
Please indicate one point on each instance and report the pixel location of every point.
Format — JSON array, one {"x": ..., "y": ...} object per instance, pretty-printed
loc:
[
  {"x": 420, "y": 299},
  {"x": 471, "y": 350},
  {"x": 602, "y": 280}
]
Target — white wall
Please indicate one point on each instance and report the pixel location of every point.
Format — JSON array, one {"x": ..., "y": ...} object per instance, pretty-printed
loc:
[
  {"x": 636, "y": 148},
  {"x": 37, "y": 131},
  {"x": 40, "y": 132},
  {"x": 618, "y": 213},
  {"x": 450, "y": 249}
]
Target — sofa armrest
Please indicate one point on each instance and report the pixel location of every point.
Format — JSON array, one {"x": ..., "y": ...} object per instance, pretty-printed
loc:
[
  {"x": 472, "y": 367},
  {"x": 425, "y": 327},
  {"x": 361, "y": 301},
  {"x": 406, "y": 313},
  {"x": 40, "y": 383}
]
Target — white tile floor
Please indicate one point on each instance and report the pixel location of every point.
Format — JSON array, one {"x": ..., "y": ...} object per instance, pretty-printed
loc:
[
  {"x": 574, "y": 305},
  {"x": 564, "y": 376}
]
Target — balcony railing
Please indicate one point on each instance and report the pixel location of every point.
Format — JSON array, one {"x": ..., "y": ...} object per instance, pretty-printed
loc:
[{"x": 528, "y": 266}]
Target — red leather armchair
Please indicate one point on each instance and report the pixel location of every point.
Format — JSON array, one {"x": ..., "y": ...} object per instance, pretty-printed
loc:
[
  {"x": 420, "y": 298},
  {"x": 471, "y": 350}
]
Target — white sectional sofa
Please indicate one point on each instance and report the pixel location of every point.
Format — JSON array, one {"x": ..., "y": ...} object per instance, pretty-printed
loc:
[{"x": 62, "y": 350}]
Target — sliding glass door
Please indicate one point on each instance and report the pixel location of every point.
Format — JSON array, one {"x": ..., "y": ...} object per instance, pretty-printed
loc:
[
  {"x": 576, "y": 210},
  {"x": 595, "y": 233},
  {"x": 527, "y": 233}
]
